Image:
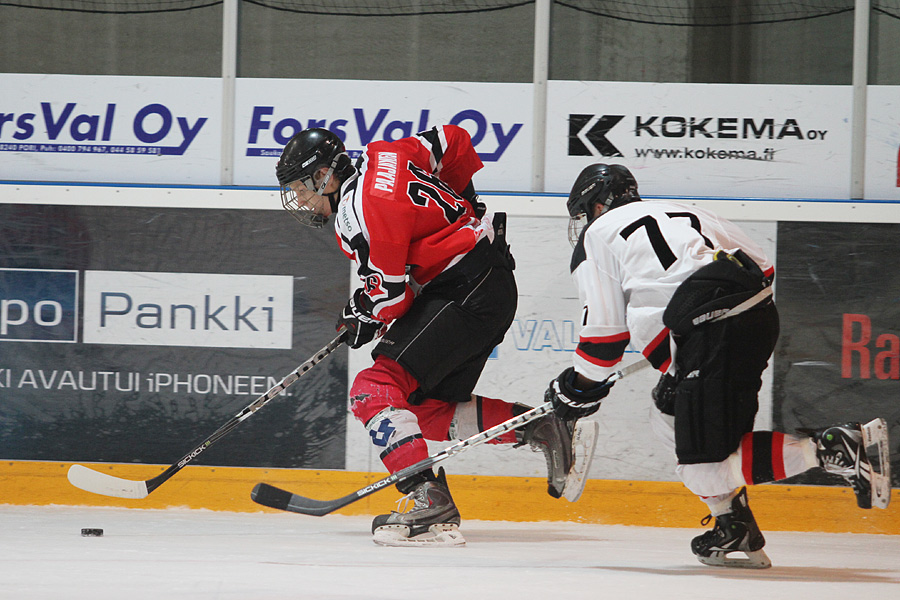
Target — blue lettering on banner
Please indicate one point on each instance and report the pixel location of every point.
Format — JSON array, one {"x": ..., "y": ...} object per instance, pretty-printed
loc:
[
  {"x": 70, "y": 131},
  {"x": 38, "y": 305},
  {"x": 558, "y": 336},
  {"x": 370, "y": 128},
  {"x": 544, "y": 335},
  {"x": 82, "y": 148}
]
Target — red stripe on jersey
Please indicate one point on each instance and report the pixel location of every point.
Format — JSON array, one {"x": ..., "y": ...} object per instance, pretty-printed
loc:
[
  {"x": 604, "y": 351},
  {"x": 597, "y": 361},
  {"x": 778, "y": 455},
  {"x": 658, "y": 352}
]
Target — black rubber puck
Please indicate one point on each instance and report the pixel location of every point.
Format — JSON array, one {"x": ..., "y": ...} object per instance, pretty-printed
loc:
[{"x": 92, "y": 532}]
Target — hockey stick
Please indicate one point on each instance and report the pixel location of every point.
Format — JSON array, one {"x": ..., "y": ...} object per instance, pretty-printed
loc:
[
  {"x": 273, "y": 497},
  {"x": 108, "y": 485}
]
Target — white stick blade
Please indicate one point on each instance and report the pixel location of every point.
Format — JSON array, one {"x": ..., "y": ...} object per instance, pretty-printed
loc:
[
  {"x": 877, "y": 444},
  {"x": 92, "y": 481}
]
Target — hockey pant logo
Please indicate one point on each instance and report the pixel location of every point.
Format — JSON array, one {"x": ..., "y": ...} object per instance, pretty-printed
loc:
[
  {"x": 382, "y": 434},
  {"x": 393, "y": 424}
]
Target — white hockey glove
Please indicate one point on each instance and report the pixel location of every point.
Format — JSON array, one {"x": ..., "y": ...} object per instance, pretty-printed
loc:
[
  {"x": 570, "y": 403},
  {"x": 361, "y": 326}
]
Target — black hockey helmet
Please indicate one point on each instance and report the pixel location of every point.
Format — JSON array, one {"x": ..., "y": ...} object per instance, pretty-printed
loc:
[
  {"x": 306, "y": 153},
  {"x": 610, "y": 186}
]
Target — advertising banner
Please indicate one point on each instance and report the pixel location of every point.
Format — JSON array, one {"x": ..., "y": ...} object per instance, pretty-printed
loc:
[
  {"x": 883, "y": 143},
  {"x": 188, "y": 309},
  {"x": 40, "y": 305},
  {"x": 110, "y": 129},
  {"x": 838, "y": 358},
  {"x": 497, "y": 115},
  {"x": 131, "y": 334},
  {"x": 769, "y": 141}
]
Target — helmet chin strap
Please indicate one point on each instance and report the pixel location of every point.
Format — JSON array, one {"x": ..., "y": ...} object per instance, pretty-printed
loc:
[{"x": 325, "y": 180}]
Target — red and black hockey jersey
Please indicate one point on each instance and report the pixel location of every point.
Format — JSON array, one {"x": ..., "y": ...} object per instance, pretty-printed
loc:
[
  {"x": 402, "y": 220},
  {"x": 627, "y": 265}
]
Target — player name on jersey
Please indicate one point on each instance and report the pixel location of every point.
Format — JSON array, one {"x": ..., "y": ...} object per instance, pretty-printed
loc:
[{"x": 386, "y": 171}]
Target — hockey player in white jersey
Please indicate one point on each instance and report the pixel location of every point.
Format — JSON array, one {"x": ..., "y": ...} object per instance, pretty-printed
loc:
[{"x": 693, "y": 293}]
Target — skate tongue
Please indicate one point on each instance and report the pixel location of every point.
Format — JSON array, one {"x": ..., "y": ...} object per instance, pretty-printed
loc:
[
  {"x": 437, "y": 535},
  {"x": 755, "y": 559}
]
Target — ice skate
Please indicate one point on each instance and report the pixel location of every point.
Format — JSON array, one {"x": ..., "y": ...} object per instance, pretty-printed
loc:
[
  {"x": 848, "y": 450},
  {"x": 431, "y": 520},
  {"x": 584, "y": 441},
  {"x": 568, "y": 447},
  {"x": 736, "y": 531}
]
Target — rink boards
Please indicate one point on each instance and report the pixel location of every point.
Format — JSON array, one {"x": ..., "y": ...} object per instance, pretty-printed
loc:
[
  {"x": 492, "y": 498},
  {"x": 73, "y": 388}
]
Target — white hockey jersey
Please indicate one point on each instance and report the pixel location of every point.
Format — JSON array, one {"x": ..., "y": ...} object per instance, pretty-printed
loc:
[{"x": 628, "y": 264}]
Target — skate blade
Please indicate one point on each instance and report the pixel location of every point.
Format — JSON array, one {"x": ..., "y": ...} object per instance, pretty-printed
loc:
[
  {"x": 757, "y": 559},
  {"x": 444, "y": 534},
  {"x": 584, "y": 442},
  {"x": 876, "y": 443}
]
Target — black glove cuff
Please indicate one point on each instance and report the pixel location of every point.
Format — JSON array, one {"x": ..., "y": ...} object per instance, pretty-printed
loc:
[
  {"x": 567, "y": 379},
  {"x": 570, "y": 403}
]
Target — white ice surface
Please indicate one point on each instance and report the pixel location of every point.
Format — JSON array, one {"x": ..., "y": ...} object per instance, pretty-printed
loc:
[{"x": 201, "y": 555}]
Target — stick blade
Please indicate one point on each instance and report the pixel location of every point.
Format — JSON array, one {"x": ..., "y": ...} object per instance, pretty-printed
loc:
[
  {"x": 274, "y": 497},
  {"x": 92, "y": 481},
  {"x": 271, "y": 496}
]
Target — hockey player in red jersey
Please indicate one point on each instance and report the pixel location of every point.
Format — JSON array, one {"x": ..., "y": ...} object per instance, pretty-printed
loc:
[
  {"x": 693, "y": 293},
  {"x": 437, "y": 287}
]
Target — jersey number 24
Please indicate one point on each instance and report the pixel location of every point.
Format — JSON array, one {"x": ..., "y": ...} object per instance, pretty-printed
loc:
[{"x": 428, "y": 188}]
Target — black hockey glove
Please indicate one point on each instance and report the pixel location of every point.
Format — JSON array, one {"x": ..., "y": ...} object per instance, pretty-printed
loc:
[
  {"x": 570, "y": 403},
  {"x": 361, "y": 326},
  {"x": 474, "y": 199}
]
